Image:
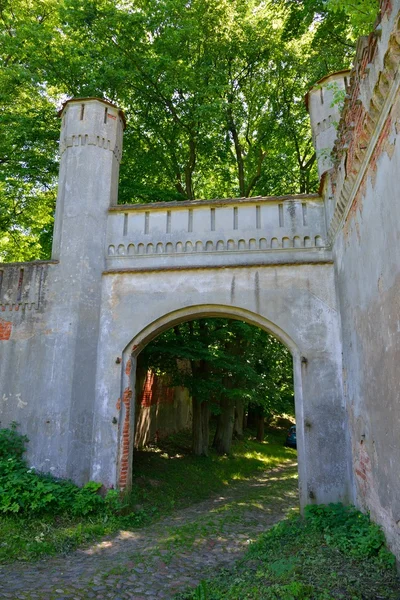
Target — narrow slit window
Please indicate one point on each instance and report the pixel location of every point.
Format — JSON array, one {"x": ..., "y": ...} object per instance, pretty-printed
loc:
[
  {"x": 82, "y": 111},
  {"x": 235, "y": 218},
  {"x": 168, "y": 221},
  {"x": 105, "y": 114},
  {"x": 213, "y": 219},
  {"x": 281, "y": 218},
  {"x": 146, "y": 221},
  {"x": 258, "y": 217},
  {"x": 304, "y": 210},
  {"x": 190, "y": 220},
  {"x": 125, "y": 224}
]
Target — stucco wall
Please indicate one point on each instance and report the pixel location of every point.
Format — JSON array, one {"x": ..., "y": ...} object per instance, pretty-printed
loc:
[
  {"x": 297, "y": 303},
  {"x": 368, "y": 275},
  {"x": 161, "y": 409},
  {"x": 364, "y": 226}
]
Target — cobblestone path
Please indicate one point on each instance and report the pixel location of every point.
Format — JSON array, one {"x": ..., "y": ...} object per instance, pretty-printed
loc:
[{"x": 160, "y": 560}]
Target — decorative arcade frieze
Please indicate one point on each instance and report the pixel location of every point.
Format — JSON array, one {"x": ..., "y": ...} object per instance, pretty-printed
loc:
[{"x": 202, "y": 232}]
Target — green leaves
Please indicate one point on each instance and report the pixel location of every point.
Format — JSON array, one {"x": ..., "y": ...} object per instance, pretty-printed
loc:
[
  {"x": 25, "y": 492},
  {"x": 351, "y": 531},
  {"x": 213, "y": 91},
  {"x": 242, "y": 362}
]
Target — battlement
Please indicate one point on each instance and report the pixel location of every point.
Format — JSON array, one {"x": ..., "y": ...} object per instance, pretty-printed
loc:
[
  {"x": 215, "y": 232},
  {"x": 91, "y": 122},
  {"x": 361, "y": 133},
  {"x": 323, "y": 102},
  {"x": 22, "y": 285}
]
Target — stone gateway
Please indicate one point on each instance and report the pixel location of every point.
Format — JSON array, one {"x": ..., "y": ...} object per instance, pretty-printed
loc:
[{"x": 321, "y": 272}]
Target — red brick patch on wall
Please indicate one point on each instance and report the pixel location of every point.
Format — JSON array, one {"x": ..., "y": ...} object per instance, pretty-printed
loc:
[
  {"x": 128, "y": 368},
  {"x": 363, "y": 471},
  {"x": 123, "y": 476},
  {"x": 5, "y": 330},
  {"x": 155, "y": 391}
]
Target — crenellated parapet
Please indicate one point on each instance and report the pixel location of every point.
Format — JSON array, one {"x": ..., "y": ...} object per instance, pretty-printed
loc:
[
  {"x": 209, "y": 233},
  {"x": 91, "y": 122},
  {"x": 367, "y": 116},
  {"x": 22, "y": 285}
]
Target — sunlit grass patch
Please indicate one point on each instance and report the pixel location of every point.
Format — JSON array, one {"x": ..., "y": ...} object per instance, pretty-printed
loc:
[
  {"x": 166, "y": 478},
  {"x": 191, "y": 479},
  {"x": 333, "y": 554}
]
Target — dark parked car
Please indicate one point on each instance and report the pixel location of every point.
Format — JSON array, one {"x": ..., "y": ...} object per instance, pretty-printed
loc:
[{"x": 291, "y": 437}]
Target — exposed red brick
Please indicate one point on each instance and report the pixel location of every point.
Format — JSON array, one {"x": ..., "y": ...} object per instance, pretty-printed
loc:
[
  {"x": 155, "y": 391},
  {"x": 128, "y": 367},
  {"x": 385, "y": 7},
  {"x": 5, "y": 330},
  {"x": 361, "y": 474},
  {"x": 126, "y": 399}
]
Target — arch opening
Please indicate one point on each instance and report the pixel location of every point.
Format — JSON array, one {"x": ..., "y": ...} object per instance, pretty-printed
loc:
[{"x": 155, "y": 330}]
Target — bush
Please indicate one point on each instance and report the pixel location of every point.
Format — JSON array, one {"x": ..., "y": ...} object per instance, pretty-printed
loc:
[
  {"x": 12, "y": 443},
  {"x": 29, "y": 493},
  {"x": 349, "y": 530}
]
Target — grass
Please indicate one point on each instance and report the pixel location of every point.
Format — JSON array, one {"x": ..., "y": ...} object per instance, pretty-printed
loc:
[
  {"x": 242, "y": 509},
  {"x": 304, "y": 560},
  {"x": 184, "y": 479},
  {"x": 166, "y": 478}
]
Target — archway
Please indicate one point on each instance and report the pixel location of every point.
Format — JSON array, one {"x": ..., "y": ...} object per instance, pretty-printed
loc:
[
  {"x": 132, "y": 351},
  {"x": 296, "y": 304}
]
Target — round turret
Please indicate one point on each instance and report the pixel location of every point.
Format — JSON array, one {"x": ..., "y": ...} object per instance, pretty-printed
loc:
[{"x": 324, "y": 103}]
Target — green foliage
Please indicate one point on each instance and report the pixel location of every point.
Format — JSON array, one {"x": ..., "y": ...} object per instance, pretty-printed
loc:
[
  {"x": 213, "y": 91},
  {"x": 201, "y": 591},
  {"x": 24, "y": 491},
  {"x": 166, "y": 478},
  {"x": 311, "y": 559},
  {"x": 241, "y": 362},
  {"x": 12, "y": 443},
  {"x": 351, "y": 531},
  {"x": 361, "y": 15}
]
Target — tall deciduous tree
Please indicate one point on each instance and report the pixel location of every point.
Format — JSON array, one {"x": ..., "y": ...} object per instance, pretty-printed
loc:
[
  {"x": 213, "y": 91},
  {"x": 230, "y": 364}
]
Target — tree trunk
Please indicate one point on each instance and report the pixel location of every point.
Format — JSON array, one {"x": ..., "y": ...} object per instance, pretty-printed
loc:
[
  {"x": 201, "y": 415},
  {"x": 251, "y": 416},
  {"x": 205, "y": 426},
  {"x": 260, "y": 428},
  {"x": 223, "y": 435},
  {"x": 239, "y": 419},
  {"x": 245, "y": 416},
  {"x": 197, "y": 429},
  {"x": 238, "y": 148}
]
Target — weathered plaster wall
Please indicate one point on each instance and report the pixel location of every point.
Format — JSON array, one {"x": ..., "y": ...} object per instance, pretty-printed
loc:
[
  {"x": 161, "y": 409},
  {"x": 368, "y": 267},
  {"x": 297, "y": 303},
  {"x": 50, "y": 311},
  {"x": 34, "y": 388},
  {"x": 363, "y": 189}
]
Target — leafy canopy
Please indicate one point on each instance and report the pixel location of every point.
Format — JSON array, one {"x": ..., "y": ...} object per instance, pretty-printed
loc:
[{"x": 213, "y": 91}]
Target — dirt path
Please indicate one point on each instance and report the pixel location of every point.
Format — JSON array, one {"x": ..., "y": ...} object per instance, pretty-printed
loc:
[{"x": 160, "y": 560}]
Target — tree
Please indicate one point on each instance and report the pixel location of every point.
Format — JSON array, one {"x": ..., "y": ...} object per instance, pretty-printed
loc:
[
  {"x": 29, "y": 132},
  {"x": 230, "y": 364},
  {"x": 213, "y": 91}
]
